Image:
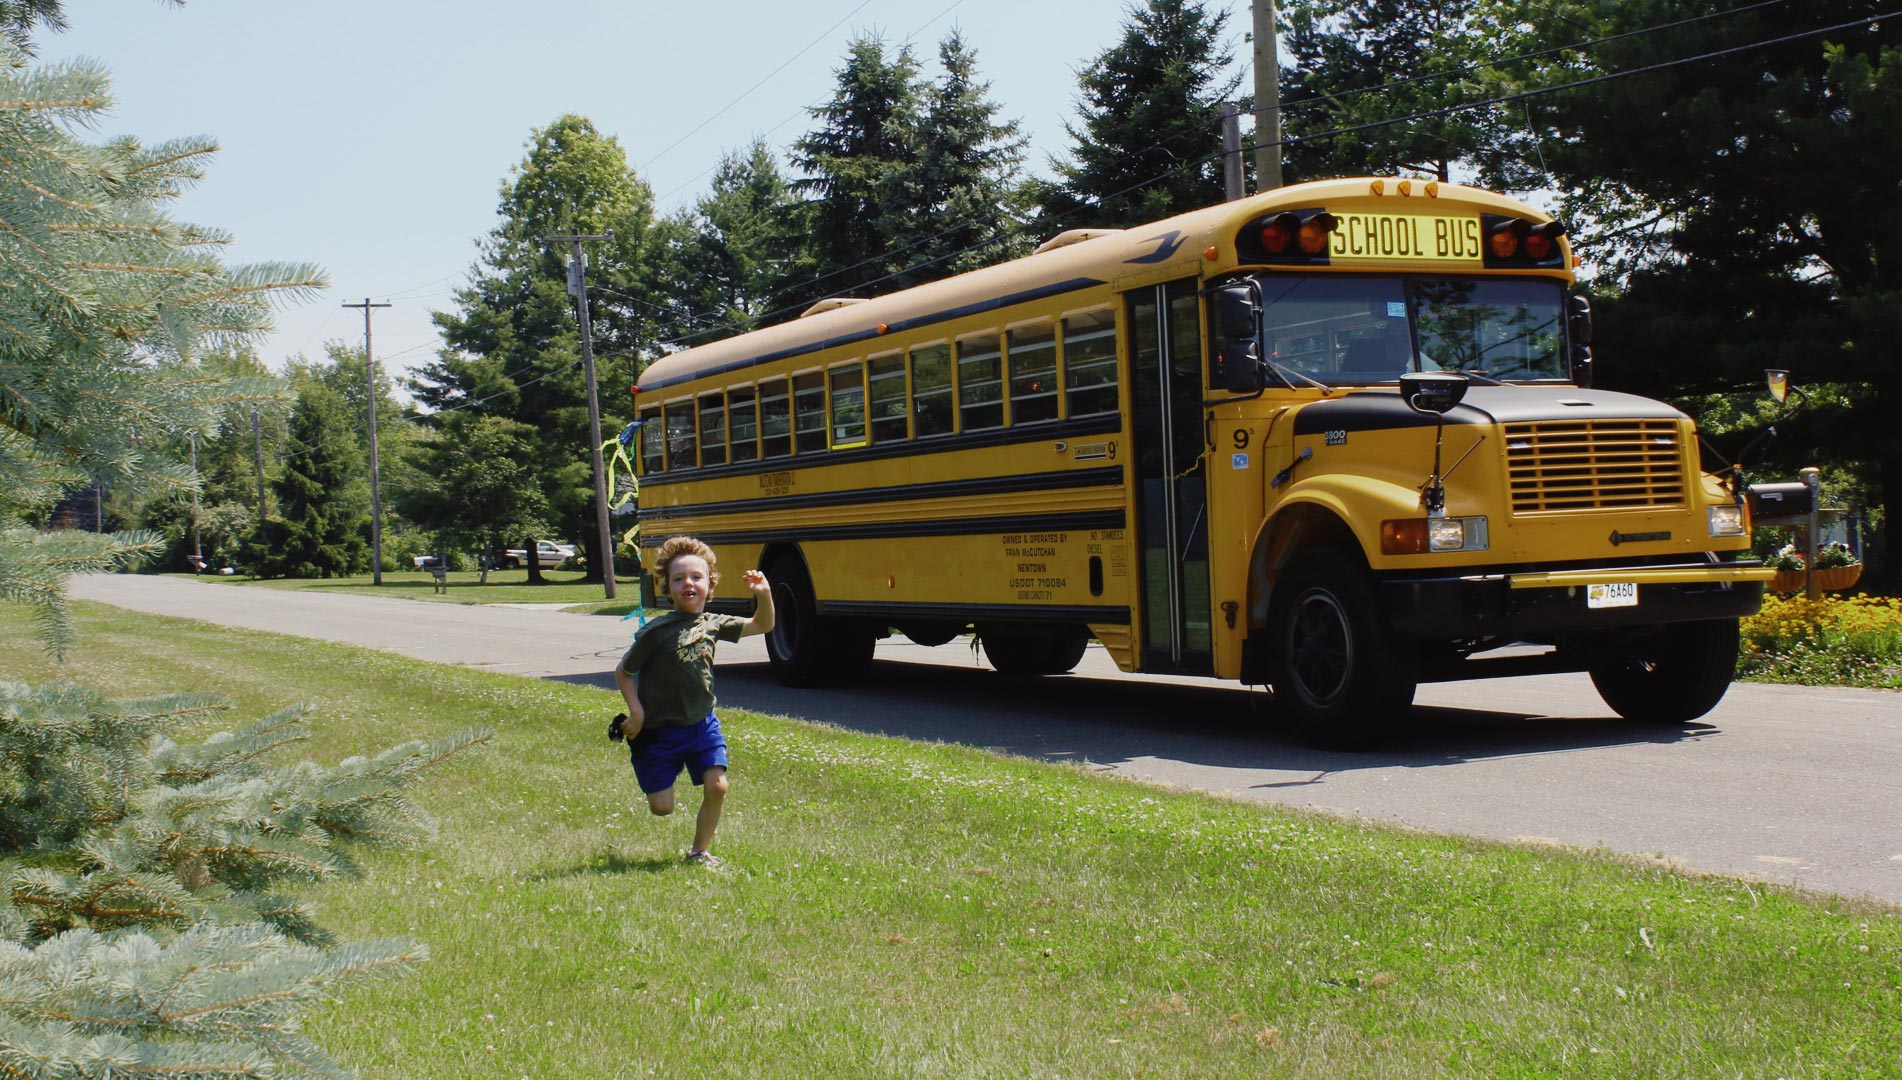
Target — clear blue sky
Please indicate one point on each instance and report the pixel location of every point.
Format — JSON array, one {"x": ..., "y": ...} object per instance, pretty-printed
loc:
[{"x": 371, "y": 138}]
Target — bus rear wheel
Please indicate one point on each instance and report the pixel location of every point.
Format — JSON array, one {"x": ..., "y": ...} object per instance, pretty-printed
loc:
[
  {"x": 1343, "y": 678},
  {"x": 806, "y": 648},
  {"x": 1672, "y": 677},
  {"x": 1022, "y": 652}
]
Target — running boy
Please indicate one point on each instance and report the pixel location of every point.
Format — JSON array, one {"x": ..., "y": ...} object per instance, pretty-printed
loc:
[{"x": 672, "y": 701}]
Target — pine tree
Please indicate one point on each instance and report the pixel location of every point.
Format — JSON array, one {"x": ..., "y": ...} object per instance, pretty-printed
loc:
[
  {"x": 1150, "y": 142},
  {"x": 146, "y": 930},
  {"x": 723, "y": 258},
  {"x": 1369, "y": 62},
  {"x": 856, "y": 165},
  {"x": 103, "y": 301},
  {"x": 321, "y": 511},
  {"x": 968, "y": 204},
  {"x": 144, "y": 927}
]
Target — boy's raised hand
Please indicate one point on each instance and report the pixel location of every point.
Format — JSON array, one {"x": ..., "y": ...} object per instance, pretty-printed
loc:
[{"x": 756, "y": 581}]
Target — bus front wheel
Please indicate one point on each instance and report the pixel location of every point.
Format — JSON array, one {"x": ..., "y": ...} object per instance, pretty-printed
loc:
[
  {"x": 1016, "y": 652},
  {"x": 804, "y": 647},
  {"x": 1672, "y": 677},
  {"x": 1342, "y": 677}
]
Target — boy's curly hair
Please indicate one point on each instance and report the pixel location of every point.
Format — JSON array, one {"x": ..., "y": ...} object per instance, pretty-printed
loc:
[{"x": 677, "y": 546}]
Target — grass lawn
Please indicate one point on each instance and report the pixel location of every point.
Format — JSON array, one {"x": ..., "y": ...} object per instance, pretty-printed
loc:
[
  {"x": 463, "y": 587},
  {"x": 892, "y": 909}
]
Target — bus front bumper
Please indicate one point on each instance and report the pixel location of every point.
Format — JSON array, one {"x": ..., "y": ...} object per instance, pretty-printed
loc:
[{"x": 1535, "y": 604}]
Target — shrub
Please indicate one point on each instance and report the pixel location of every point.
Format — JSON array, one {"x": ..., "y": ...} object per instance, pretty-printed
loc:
[{"x": 1847, "y": 641}]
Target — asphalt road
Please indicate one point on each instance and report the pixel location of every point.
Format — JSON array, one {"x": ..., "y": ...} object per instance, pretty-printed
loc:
[{"x": 1796, "y": 785}]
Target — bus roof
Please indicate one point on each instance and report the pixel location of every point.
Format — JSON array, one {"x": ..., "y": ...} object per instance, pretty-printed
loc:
[{"x": 1151, "y": 251}]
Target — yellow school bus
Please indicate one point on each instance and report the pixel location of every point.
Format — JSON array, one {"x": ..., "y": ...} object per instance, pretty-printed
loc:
[{"x": 1338, "y": 438}]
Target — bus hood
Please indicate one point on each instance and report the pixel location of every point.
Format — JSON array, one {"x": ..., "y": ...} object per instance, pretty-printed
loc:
[{"x": 1380, "y": 410}]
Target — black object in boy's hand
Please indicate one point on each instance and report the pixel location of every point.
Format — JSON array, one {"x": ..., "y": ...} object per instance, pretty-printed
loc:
[
  {"x": 615, "y": 726},
  {"x": 617, "y": 732}
]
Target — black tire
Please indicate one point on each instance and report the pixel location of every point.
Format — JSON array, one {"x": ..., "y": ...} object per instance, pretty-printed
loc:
[
  {"x": 1343, "y": 678},
  {"x": 804, "y": 647},
  {"x": 1673, "y": 676},
  {"x": 931, "y": 634},
  {"x": 1025, "y": 652}
]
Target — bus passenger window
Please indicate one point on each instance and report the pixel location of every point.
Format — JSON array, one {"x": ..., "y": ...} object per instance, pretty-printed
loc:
[
  {"x": 888, "y": 398},
  {"x": 712, "y": 430},
  {"x": 848, "y": 406},
  {"x": 653, "y": 442},
  {"x": 1089, "y": 363},
  {"x": 743, "y": 418},
  {"x": 931, "y": 389},
  {"x": 980, "y": 384},
  {"x": 809, "y": 413},
  {"x": 680, "y": 435},
  {"x": 1033, "y": 374},
  {"x": 775, "y": 421}
]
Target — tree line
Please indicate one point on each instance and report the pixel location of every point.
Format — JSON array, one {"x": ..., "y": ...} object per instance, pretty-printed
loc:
[{"x": 1718, "y": 170}]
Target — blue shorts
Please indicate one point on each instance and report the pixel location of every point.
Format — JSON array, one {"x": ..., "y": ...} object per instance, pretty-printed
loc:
[{"x": 657, "y": 762}]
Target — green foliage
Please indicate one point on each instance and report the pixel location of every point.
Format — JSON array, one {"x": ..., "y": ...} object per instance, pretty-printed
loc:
[
  {"x": 321, "y": 494},
  {"x": 146, "y": 927},
  {"x": 725, "y": 257},
  {"x": 966, "y": 197},
  {"x": 1737, "y": 250},
  {"x": 856, "y": 163},
  {"x": 512, "y": 346},
  {"x": 1149, "y": 142},
  {"x": 104, "y": 301},
  {"x": 474, "y": 487},
  {"x": 1363, "y": 62},
  {"x": 1831, "y": 641}
]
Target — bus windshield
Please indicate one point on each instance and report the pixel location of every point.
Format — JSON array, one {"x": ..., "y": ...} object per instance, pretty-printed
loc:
[{"x": 1349, "y": 330}]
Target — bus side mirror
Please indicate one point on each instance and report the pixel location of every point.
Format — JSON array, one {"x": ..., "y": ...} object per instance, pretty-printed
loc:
[
  {"x": 1237, "y": 360},
  {"x": 1579, "y": 321}
]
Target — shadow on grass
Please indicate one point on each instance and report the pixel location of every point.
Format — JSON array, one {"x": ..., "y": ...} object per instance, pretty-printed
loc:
[
  {"x": 1080, "y": 719},
  {"x": 612, "y": 864}
]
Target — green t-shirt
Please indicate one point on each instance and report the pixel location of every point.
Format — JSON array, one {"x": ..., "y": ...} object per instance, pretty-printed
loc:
[{"x": 672, "y": 662}]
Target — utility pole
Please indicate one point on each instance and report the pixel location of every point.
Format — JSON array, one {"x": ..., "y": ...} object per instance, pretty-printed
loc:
[
  {"x": 1267, "y": 99},
  {"x": 1233, "y": 186},
  {"x": 578, "y": 288},
  {"x": 376, "y": 486},
  {"x": 257, "y": 453},
  {"x": 198, "y": 547}
]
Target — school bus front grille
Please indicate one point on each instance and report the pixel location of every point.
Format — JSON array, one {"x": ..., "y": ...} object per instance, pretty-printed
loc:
[{"x": 1556, "y": 465}]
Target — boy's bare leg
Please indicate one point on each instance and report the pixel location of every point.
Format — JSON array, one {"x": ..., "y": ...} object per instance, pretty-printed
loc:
[
  {"x": 661, "y": 802},
  {"x": 712, "y": 800}
]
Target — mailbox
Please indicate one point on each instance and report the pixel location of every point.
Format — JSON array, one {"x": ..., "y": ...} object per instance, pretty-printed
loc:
[{"x": 1779, "y": 500}]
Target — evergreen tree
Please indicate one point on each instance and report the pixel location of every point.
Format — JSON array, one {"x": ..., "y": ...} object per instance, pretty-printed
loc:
[
  {"x": 321, "y": 495},
  {"x": 1368, "y": 62},
  {"x": 140, "y": 873},
  {"x": 724, "y": 257},
  {"x": 103, "y": 301},
  {"x": 1728, "y": 207},
  {"x": 144, "y": 873},
  {"x": 967, "y": 199},
  {"x": 474, "y": 488},
  {"x": 513, "y": 349},
  {"x": 857, "y": 163},
  {"x": 1150, "y": 142}
]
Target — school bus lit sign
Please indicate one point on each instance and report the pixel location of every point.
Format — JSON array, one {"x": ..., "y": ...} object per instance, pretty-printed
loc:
[{"x": 1411, "y": 237}]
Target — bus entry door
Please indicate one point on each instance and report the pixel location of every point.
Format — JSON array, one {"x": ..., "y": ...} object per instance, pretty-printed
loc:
[{"x": 1171, "y": 476}]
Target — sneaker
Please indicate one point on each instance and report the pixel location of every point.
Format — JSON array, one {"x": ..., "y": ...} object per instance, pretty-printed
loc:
[{"x": 705, "y": 859}]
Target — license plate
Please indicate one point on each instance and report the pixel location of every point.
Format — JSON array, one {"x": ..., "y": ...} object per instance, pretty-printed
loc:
[
  {"x": 1412, "y": 237},
  {"x": 1613, "y": 594}
]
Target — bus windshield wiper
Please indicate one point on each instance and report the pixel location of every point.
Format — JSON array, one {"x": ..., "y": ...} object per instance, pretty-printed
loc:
[{"x": 1288, "y": 375}]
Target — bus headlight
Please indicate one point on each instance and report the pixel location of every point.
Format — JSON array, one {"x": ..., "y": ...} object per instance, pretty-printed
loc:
[
  {"x": 1726, "y": 519},
  {"x": 1417, "y": 536}
]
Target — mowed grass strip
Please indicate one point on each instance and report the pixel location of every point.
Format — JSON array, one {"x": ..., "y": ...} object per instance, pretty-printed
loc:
[
  {"x": 461, "y": 587},
  {"x": 896, "y": 909}
]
